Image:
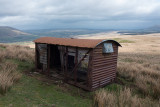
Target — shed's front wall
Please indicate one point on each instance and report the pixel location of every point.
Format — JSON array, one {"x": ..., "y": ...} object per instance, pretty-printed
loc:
[{"x": 103, "y": 66}]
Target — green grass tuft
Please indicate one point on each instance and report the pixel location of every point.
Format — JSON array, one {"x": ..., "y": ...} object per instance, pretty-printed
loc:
[{"x": 30, "y": 92}]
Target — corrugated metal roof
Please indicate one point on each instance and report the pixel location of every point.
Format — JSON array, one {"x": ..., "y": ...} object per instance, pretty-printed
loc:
[{"x": 84, "y": 43}]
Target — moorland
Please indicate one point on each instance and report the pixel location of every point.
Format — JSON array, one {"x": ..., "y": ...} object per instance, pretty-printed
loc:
[{"x": 137, "y": 83}]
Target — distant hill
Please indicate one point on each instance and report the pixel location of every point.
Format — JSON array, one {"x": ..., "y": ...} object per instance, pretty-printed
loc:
[
  {"x": 67, "y": 33},
  {"x": 150, "y": 30},
  {"x": 9, "y": 34},
  {"x": 154, "y": 28}
]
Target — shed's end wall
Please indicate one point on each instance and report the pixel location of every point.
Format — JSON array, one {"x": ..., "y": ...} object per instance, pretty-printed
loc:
[{"x": 103, "y": 66}]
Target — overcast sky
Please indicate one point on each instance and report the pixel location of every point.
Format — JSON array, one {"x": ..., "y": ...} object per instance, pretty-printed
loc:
[{"x": 97, "y": 14}]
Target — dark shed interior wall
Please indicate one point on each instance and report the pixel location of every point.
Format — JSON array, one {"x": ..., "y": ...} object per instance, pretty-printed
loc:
[
  {"x": 103, "y": 66},
  {"x": 54, "y": 56}
]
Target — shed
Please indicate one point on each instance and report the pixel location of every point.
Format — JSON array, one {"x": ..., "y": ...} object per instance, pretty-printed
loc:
[{"x": 86, "y": 63}]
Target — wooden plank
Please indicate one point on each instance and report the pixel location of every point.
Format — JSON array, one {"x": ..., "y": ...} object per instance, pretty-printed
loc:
[
  {"x": 66, "y": 63},
  {"x": 63, "y": 49},
  {"x": 80, "y": 61},
  {"x": 76, "y": 61},
  {"x": 79, "y": 85},
  {"x": 48, "y": 64},
  {"x": 36, "y": 65}
]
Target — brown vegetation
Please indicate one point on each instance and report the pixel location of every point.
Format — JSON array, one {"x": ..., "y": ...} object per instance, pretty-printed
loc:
[
  {"x": 123, "y": 98},
  {"x": 8, "y": 76},
  {"x": 8, "y": 71},
  {"x": 143, "y": 70},
  {"x": 22, "y": 53},
  {"x": 139, "y": 70}
]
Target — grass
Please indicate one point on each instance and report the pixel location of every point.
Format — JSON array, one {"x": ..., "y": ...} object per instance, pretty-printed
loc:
[
  {"x": 22, "y": 53},
  {"x": 34, "y": 89},
  {"x": 8, "y": 76},
  {"x": 120, "y": 40},
  {"x": 121, "y": 98},
  {"x": 137, "y": 82},
  {"x": 138, "y": 75},
  {"x": 23, "y": 65},
  {"x": 2, "y": 47},
  {"x": 142, "y": 72},
  {"x": 113, "y": 87},
  {"x": 30, "y": 92}
]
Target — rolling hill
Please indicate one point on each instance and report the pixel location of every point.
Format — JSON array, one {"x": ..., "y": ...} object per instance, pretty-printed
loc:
[
  {"x": 9, "y": 34},
  {"x": 9, "y": 31},
  {"x": 149, "y": 30}
]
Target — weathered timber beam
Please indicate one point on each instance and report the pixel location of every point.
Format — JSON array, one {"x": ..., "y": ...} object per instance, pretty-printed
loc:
[
  {"x": 75, "y": 67},
  {"x": 36, "y": 65},
  {"x": 66, "y": 63},
  {"x": 48, "y": 64},
  {"x": 76, "y": 62}
]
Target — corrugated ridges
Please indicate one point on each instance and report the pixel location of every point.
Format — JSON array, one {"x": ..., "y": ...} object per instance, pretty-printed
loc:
[{"x": 104, "y": 66}]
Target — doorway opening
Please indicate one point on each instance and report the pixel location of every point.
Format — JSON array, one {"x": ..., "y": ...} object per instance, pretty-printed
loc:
[{"x": 55, "y": 62}]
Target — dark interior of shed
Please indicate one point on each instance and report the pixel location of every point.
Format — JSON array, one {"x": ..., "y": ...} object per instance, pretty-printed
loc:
[
  {"x": 56, "y": 66},
  {"x": 39, "y": 65},
  {"x": 55, "y": 61}
]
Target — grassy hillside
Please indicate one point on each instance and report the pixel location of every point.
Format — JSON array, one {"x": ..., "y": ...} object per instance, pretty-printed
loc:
[
  {"x": 9, "y": 34},
  {"x": 65, "y": 32},
  {"x": 137, "y": 83},
  {"x": 33, "y": 89}
]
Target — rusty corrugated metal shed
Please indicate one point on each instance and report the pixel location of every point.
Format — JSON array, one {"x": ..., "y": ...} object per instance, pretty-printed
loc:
[{"x": 84, "y": 43}]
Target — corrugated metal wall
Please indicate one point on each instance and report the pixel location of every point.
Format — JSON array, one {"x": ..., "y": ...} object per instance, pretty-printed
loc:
[{"x": 103, "y": 66}]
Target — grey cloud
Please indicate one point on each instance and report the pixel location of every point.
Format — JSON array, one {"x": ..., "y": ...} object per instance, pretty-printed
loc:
[{"x": 79, "y": 13}]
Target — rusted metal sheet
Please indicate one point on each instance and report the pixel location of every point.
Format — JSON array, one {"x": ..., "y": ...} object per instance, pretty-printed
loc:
[
  {"x": 89, "y": 72},
  {"x": 83, "y": 43},
  {"x": 104, "y": 66},
  {"x": 88, "y": 43}
]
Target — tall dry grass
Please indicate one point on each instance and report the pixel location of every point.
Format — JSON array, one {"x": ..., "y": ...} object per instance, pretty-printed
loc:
[
  {"x": 8, "y": 76},
  {"x": 8, "y": 73},
  {"x": 123, "y": 98},
  {"x": 138, "y": 66},
  {"x": 22, "y": 53},
  {"x": 143, "y": 71}
]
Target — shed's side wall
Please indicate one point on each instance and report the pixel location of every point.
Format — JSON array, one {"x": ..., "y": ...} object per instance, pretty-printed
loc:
[{"x": 103, "y": 66}]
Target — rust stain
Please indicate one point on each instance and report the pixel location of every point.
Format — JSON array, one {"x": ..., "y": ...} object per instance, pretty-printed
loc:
[{"x": 84, "y": 43}]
